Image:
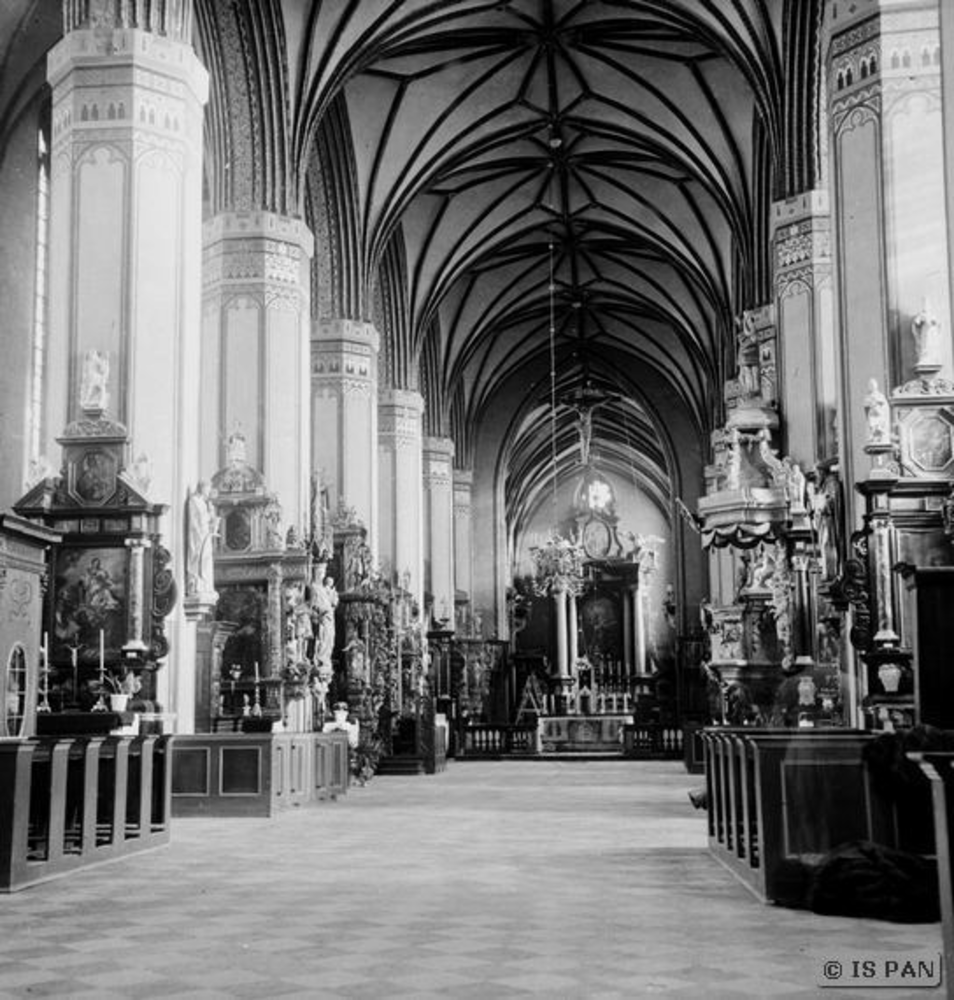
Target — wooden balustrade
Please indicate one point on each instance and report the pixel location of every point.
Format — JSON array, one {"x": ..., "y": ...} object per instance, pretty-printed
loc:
[
  {"x": 779, "y": 800},
  {"x": 482, "y": 739},
  {"x": 652, "y": 741},
  {"x": 68, "y": 803}
]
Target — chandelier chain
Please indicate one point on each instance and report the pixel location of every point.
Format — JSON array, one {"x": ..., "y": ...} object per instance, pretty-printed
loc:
[{"x": 553, "y": 404}]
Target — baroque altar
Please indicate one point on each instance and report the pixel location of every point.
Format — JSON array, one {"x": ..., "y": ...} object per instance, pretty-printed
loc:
[{"x": 110, "y": 583}]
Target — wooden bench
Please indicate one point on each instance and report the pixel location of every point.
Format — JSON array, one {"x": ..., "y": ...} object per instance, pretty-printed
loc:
[
  {"x": 779, "y": 800},
  {"x": 71, "y": 802}
]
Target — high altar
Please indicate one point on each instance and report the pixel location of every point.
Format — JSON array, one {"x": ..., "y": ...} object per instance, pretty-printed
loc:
[{"x": 601, "y": 670}]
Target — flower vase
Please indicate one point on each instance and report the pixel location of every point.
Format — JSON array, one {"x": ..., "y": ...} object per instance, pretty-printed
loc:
[
  {"x": 890, "y": 676},
  {"x": 119, "y": 702}
]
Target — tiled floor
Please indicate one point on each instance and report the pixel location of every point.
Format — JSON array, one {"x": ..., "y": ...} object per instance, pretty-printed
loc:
[{"x": 510, "y": 879}]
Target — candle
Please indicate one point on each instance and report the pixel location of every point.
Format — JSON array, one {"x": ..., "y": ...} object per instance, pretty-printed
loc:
[
  {"x": 45, "y": 648},
  {"x": 256, "y": 671},
  {"x": 102, "y": 655}
]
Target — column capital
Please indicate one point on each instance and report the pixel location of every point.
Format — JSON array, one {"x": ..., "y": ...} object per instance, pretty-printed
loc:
[
  {"x": 258, "y": 227},
  {"x": 331, "y": 334},
  {"x": 438, "y": 455},
  {"x": 801, "y": 239},
  {"x": 810, "y": 204},
  {"x": 399, "y": 417},
  {"x": 128, "y": 56},
  {"x": 409, "y": 401},
  {"x": 439, "y": 449}
]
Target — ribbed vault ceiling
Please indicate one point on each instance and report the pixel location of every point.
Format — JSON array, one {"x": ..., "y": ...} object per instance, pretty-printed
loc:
[
  {"x": 600, "y": 169},
  {"x": 585, "y": 166}
]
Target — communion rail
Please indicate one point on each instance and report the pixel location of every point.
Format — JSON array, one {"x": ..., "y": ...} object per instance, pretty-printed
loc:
[
  {"x": 482, "y": 739},
  {"x": 779, "y": 800},
  {"x": 71, "y": 802},
  {"x": 653, "y": 741}
]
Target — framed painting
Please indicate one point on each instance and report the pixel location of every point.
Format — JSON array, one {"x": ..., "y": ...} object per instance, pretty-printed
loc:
[{"x": 91, "y": 591}]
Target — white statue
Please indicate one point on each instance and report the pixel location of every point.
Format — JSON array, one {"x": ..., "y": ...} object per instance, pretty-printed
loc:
[
  {"x": 142, "y": 471},
  {"x": 235, "y": 449},
  {"x": 274, "y": 539},
  {"x": 93, "y": 392},
  {"x": 40, "y": 469},
  {"x": 877, "y": 414},
  {"x": 203, "y": 528},
  {"x": 927, "y": 338},
  {"x": 324, "y": 600}
]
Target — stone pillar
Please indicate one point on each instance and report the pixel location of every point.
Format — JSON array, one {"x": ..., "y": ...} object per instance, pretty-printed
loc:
[
  {"x": 438, "y": 465},
  {"x": 344, "y": 381},
  {"x": 573, "y": 634},
  {"x": 275, "y": 651},
  {"x": 255, "y": 320},
  {"x": 807, "y": 376},
  {"x": 134, "y": 645},
  {"x": 463, "y": 532},
  {"x": 401, "y": 505},
  {"x": 628, "y": 638},
  {"x": 889, "y": 199},
  {"x": 560, "y": 630},
  {"x": 639, "y": 629},
  {"x": 125, "y": 252}
]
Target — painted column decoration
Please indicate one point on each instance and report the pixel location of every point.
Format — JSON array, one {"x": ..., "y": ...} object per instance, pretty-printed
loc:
[
  {"x": 889, "y": 198},
  {"x": 804, "y": 309},
  {"x": 438, "y": 459},
  {"x": 401, "y": 499},
  {"x": 344, "y": 385},
  {"x": 255, "y": 349},
  {"x": 125, "y": 250}
]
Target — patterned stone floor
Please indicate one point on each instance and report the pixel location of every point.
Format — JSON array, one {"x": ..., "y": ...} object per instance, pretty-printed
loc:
[{"x": 565, "y": 879}]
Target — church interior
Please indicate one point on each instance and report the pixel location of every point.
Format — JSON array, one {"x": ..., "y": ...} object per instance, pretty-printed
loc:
[{"x": 420, "y": 402}]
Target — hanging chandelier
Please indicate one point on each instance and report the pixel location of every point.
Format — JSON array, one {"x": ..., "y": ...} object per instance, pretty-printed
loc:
[
  {"x": 557, "y": 566},
  {"x": 558, "y": 563}
]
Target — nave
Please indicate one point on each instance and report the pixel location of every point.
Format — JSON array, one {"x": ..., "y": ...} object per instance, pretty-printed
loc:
[{"x": 563, "y": 879}]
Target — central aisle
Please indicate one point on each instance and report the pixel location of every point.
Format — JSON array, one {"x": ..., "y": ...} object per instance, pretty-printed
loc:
[{"x": 504, "y": 879}]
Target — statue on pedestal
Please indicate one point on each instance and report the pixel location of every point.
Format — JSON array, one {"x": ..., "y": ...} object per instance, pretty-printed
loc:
[
  {"x": 203, "y": 527},
  {"x": 93, "y": 392},
  {"x": 877, "y": 414},
  {"x": 927, "y": 340},
  {"x": 324, "y": 600}
]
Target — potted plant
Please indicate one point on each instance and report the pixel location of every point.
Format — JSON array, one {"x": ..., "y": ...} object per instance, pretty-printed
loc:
[{"x": 121, "y": 686}]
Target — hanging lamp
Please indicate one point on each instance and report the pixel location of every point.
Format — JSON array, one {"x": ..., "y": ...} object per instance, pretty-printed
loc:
[{"x": 558, "y": 563}]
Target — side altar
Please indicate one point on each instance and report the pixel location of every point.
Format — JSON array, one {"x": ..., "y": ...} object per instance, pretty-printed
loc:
[{"x": 85, "y": 587}]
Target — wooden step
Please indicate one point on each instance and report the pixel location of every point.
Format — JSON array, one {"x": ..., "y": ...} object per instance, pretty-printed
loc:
[{"x": 401, "y": 764}]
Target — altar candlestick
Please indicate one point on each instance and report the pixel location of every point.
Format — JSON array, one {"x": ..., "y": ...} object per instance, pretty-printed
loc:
[{"x": 74, "y": 650}]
